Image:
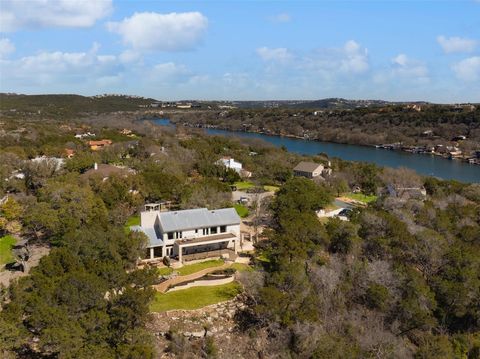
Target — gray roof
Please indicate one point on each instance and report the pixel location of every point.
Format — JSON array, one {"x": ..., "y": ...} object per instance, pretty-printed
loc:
[
  {"x": 307, "y": 166},
  {"x": 197, "y": 218},
  {"x": 153, "y": 240}
]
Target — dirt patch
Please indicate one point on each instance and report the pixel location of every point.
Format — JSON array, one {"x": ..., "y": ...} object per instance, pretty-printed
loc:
[{"x": 36, "y": 253}]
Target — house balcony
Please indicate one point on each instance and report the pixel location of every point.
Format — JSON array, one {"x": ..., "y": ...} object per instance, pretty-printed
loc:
[{"x": 218, "y": 245}]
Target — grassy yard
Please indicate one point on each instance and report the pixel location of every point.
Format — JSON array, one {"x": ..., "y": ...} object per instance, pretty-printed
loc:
[
  {"x": 241, "y": 267},
  {"x": 131, "y": 221},
  {"x": 193, "y": 268},
  {"x": 165, "y": 271},
  {"x": 241, "y": 210},
  {"x": 243, "y": 185},
  {"x": 361, "y": 197},
  {"x": 6, "y": 256},
  {"x": 263, "y": 258},
  {"x": 271, "y": 188},
  {"x": 194, "y": 298}
]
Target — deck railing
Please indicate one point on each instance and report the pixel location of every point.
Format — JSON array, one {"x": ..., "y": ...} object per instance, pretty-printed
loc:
[{"x": 208, "y": 254}]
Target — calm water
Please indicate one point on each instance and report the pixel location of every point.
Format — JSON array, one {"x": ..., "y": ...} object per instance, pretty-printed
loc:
[{"x": 424, "y": 164}]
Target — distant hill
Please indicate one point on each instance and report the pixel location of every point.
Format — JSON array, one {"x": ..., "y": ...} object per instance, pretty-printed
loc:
[
  {"x": 69, "y": 105},
  {"x": 64, "y": 105},
  {"x": 327, "y": 103}
]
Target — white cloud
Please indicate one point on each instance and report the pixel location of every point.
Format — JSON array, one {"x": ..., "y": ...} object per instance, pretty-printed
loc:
[
  {"x": 281, "y": 18},
  {"x": 456, "y": 44},
  {"x": 468, "y": 69},
  {"x": 400, "y": 60},
  {"x": 54, "y": 68},
  {"x": 403, "y": 70},
  {"x": 168, "y": 70},
  {"x": 129, "y": 56},
  {"x": 352, "y": 58},
  {"x": 6, "y": 48},
  {"x": 355, "y": 59},
  {"x": 19, "y": 14},
  {"x": 161, "y": 32},
  {"x": 403, "y": 66},
  {"x": 280, "y": 54}
]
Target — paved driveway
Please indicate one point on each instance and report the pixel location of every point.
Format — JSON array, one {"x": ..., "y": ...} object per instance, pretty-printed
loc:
[{"x": 236, "y": 195}]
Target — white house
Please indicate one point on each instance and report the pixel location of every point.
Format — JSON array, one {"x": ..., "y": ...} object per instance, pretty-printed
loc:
[
  {"x": 229, "y": 162},
  {"x": 83, "y": 135},
  {"x": 190, "y": 234}
]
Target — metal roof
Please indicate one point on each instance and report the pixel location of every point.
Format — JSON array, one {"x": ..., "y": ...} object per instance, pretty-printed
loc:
[
  {"x": 153, "y": 240},
  {"x": 197, "y": 218},
  {"x": 307, "y": 166}
]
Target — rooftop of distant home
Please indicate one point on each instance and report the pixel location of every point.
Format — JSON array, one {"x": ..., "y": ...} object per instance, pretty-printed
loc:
[
  {"x": 307, "y": 166},
  {"x": 105, "y": 170},
  {"x": 99, "y": 143}
]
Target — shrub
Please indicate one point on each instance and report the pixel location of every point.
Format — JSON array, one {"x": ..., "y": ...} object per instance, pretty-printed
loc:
[
  {"x": 377, "y": 297},
  {"x": 166, "y": 261}
]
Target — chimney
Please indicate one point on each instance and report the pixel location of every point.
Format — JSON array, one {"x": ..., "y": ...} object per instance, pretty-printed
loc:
[{"x": 95, "y": 166}]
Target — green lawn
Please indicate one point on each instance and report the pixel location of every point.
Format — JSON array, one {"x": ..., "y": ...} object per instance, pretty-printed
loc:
[
  {"x": 243, "y": 185},
  {"x": 165, "y": 271},
  {"x": 263, "y": 258},
  {"x": 241, "y": 267},
  {"x": 194, "y": 298},
  {"x": 271, "y": 188},
  {"x": 6, "y": 256},
  {"x": 361, "y": 197},
  {"x": 241, "y": 210},
  {"x": 131, "y": 221},
  {"x": 193, "y": 268}
]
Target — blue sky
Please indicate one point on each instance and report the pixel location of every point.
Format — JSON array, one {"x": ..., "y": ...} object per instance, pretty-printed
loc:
[{"x": 244, "y": 50}]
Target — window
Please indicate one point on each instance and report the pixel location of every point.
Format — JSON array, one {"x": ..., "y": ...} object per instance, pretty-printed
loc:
[
  {"x": 196, "y": 231},
  {"x": 157, "y": 252},
  {"x": 205, "y": 231},
  {"x": 223, "y": 229},
  {"x": 179, "y": 234},
  {"x": 213, "y": 230},
  {"x": 170, "y": 235}
]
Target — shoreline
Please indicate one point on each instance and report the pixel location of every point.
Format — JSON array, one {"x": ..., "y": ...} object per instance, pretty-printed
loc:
[{"x": 380, "y": 146}]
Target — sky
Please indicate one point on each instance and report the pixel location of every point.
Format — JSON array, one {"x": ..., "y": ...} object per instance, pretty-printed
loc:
[{"x": 243, "y": 50}]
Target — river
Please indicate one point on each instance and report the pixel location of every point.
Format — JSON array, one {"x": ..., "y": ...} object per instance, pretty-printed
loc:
[{"x": 425, "y": 164}]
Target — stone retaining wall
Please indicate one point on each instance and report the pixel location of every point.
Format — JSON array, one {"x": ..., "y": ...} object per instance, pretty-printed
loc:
[{"x": 163, "y": 287}]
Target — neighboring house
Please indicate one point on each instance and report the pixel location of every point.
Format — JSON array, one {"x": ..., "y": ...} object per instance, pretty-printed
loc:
[
  {"x": 105, "y": 171},
  {"x": 308, "y": 169},
  {"x": 58, "y": 161},
  {"x": 407, "y": 192},
  {"x": 17, "y": 174},
  {"x": 357, "y": 189},
  {"x": 190, "y": 234},
  {"x": 69, "y": 152},
  {"x": 4, "y": 199},
  {"x": 455, "y": 154},
  {"x": 83, "y": 135},
  {"x": 98, "y": 145},
  {"x": 229, "y": 162}
]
